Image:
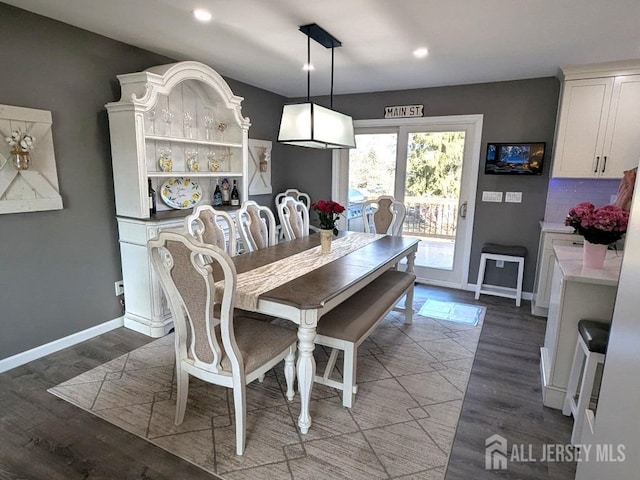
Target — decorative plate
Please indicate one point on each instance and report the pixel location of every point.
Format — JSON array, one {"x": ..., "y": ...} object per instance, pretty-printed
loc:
[{"x": 181, "y": 193}]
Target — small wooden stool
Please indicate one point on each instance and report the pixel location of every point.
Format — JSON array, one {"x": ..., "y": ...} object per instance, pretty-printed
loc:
[
  {"x": 591, "y": 349},
  {"x": 505, "y": 253}
]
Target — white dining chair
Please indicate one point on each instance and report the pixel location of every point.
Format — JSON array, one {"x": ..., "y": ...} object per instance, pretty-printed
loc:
[
  {"x": 221, "y": 350},
  {"x": 383, "y": 215},
  {"x": 294, "y": 218},
  {"x": 208, "y": 225},
  {"x": 298, "y": 195},
  {"x": 295, "y": 193},
  {"x": 257, "y": 226}
]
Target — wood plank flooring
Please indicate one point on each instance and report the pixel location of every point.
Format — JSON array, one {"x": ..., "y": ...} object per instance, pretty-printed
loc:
[{"x": 43, "y": 437}]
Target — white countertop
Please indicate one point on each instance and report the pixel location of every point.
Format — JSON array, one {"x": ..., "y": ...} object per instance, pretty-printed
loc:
[
  {"x": 555, "y": 227},
  {"x": 570, "y": 261}
]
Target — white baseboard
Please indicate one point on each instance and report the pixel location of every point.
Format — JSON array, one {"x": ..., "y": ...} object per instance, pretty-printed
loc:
[{"x": 60, "y": 344}]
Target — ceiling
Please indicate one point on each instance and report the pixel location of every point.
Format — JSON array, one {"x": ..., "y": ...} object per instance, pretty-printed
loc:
[{"x": 469, "y": 41}]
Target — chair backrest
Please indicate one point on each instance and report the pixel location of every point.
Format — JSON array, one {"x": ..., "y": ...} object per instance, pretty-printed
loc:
[
  {"x": 256, "y": 225},
  {"x": 188, "y": 271},
  {"x": 208, "y": 226},
  {"x": 384, "y": 214},
  {"x": 295, "y": 193},
  {"x": 294, "y": 218}
]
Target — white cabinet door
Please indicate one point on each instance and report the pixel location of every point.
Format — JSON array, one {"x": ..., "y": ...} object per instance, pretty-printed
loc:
[
  {"x": 584, "y": 108},
  {"x": 597, "y": 130},
  {"x": 544, "y": 268},
  {"x": 555, "y": 306},
  {"x": 622, "y": 141}
]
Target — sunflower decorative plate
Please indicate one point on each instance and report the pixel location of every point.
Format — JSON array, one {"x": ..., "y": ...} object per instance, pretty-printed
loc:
[{"x": 181, "y": 193}]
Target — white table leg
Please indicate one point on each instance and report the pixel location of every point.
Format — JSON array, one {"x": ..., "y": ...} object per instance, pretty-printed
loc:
[
  {"x": 306, "y": 372},
  {"x": 408, "y": 302},
  {"x": 411, "y": 261}
]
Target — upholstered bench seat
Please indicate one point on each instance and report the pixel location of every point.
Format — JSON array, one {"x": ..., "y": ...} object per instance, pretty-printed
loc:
[{"x": 350, "y": 323}]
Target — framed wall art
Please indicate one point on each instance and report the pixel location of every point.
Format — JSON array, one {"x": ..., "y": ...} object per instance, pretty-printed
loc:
[
  {"x": 28, "y": 175},
  {"x": 260, "y": 167}
]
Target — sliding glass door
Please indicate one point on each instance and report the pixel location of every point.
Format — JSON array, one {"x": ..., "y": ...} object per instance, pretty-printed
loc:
[{"x": 431, "y": 166}]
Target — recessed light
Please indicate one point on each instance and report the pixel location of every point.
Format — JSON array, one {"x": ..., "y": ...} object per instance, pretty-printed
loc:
[
  {"x": 202, "y": 15},
  {"x": 420, "y": 52},
  {"x": 308, "y": 66}
]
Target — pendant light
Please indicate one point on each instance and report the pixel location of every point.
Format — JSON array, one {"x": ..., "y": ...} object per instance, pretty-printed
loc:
[{"x": 308, "y": 124}]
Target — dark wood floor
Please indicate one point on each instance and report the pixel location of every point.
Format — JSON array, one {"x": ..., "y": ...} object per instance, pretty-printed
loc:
[
  {"x": 43, "y": 437},
  {"x": 504, "y": 396}
]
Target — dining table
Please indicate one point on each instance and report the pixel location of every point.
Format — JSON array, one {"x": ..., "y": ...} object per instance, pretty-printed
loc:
[{"x": 295, "y": 281}]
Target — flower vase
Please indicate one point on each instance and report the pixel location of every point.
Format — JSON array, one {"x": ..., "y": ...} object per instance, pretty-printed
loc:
[
  {"x": 593, "y": 254},
  {"x": 21, "y": 159},
  {"x": 325, "y": 240}
]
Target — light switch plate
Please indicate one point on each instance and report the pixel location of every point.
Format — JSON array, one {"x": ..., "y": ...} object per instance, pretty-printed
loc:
[
  {"x": 492, "y": 197},
  {"x": 513, "y": 197}
]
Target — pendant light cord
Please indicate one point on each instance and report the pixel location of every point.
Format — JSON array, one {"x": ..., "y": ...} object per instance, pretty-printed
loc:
[
  {"x": 331, "y": 96},
  {"x": 308, "y": 65}
]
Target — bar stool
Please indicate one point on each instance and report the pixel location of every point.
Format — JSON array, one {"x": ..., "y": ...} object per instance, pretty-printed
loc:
[
  {"x": 505, "y": 253},
  {"x": 593, "y": 337}
]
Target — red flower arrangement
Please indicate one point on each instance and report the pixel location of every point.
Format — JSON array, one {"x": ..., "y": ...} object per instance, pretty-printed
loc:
[
  {"x": 603, "y": 225},
  {"x": 328, "y": 212}
]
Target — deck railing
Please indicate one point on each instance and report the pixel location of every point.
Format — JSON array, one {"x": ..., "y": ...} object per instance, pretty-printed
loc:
[{"x": 431, "y": 217}]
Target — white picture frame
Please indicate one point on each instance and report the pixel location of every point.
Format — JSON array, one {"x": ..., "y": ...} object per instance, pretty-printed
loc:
[{"x": 260, "y": 167}]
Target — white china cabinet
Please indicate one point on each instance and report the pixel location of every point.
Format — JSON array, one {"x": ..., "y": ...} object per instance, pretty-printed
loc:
[
  {"x": 598, "y": 115},
  {"x": 177, "y": 124}
]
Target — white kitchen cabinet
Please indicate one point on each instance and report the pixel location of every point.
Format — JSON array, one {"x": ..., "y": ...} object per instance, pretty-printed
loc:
[
  {"x": 598, "y": 114},
  {"x": 576, "y": 294},
  {"x": 544, "y": 266},
  {"x": 188, "y": 108}
]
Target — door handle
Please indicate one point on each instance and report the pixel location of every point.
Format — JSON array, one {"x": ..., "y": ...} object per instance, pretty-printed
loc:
[
  {"x": 462, "y": 211},
  {"x": 597, "y": 162},
  {"x": 604, "y": 165}
]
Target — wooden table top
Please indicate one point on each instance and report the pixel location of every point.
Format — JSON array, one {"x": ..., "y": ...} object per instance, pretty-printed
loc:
[{"x": 312, "y": 290}]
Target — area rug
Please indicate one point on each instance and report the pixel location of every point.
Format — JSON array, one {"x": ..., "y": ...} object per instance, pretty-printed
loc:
[
  {"x": 452, "y": 311},
  {"x": 411, "y": 383}
]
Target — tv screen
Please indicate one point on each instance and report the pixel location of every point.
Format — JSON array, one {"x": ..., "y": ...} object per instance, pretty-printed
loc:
[{"x": 514, "y": 158}]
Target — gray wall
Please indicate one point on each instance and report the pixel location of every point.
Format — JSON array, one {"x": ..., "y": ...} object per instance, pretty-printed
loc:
[
  {"x": 58, "y": 268},
  {"x": 516, "y": 111},
  {"x": 264, "y": 110}
]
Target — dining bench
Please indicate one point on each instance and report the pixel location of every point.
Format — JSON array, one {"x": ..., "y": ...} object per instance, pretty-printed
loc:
[{"x": 350, "y": 323}]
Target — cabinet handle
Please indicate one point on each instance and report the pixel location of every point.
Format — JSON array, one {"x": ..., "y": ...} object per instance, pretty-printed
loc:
[
  {"x": 597, "y": 162},
  {"x": 604, "y": 165}
]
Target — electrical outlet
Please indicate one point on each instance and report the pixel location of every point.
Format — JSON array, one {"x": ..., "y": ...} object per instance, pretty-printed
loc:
[
  {"x": 500, "y": 263},
  {"x": 119, "y": 288}
]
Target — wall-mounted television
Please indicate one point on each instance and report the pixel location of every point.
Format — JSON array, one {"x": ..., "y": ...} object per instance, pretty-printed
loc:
[{"x": 514, "y": 158}]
